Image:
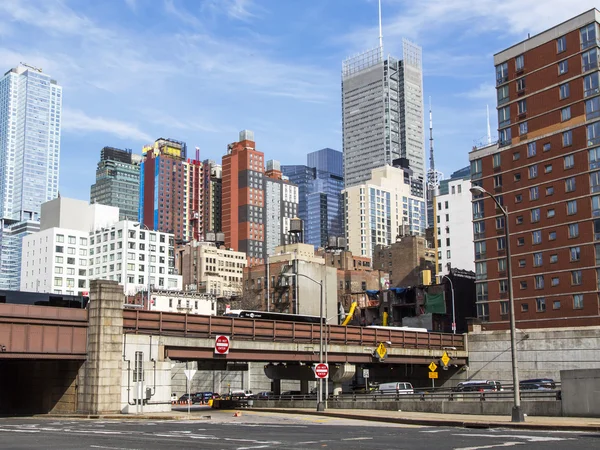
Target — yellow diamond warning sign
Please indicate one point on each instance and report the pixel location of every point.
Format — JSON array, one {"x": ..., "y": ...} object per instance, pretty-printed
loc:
[
  {"x": 445, "y": 359},
  {"x": 433, "y": 366}
]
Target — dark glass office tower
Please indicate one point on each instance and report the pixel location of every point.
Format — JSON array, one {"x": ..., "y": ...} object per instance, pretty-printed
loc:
[
  {"x": 319, "y": 189},
  {"x": 118, "y": 182}
]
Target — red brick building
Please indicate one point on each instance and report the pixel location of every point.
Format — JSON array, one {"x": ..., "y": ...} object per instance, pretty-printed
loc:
[
  {"x": 544, "y": 170},
  {"x": 243, "y": 198}
]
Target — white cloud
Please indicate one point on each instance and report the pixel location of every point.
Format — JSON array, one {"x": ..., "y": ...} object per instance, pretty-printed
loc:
[
  {"x": 181, "y": 14},
  {"x": 246, "y": 69},
  {"x": 240, "y": 9},
  {"x": 426, "y": 21},
  {"x": 244, "y": 10},
  {"x": 77, "y": 121},
  {"x": 485, "y": 91},
  {"x": 52, "y": 16}
]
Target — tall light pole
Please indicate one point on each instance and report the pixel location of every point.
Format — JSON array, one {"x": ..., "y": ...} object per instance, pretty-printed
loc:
[
  {"x": 517, "y": 413},
  {"x": 320, "y": 403},
  {"x": 453, "y": 310}
]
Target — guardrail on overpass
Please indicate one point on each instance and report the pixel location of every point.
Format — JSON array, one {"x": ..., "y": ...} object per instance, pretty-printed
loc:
[
  {"x": 192, "y": 325},
  {"x": 42, "y": 332}
]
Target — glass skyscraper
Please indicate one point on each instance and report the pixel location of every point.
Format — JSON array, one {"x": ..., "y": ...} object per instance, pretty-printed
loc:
[
  {"x": 382, "y": 113},
  {"x": 118, "y": 182},
  {"x": 319, "y": 183},
  {"x": 30, "y": 121}
]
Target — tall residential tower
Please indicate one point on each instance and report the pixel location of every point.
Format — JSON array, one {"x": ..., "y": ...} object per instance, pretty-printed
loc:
[
  {"x": 545, "y": 170},
  {"x": 30, "y": 123}
]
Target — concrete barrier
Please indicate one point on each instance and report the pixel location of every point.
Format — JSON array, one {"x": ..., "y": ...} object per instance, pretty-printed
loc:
[
  {"x": 548, "y": 408},
  {"x": 580, "y": 392}
]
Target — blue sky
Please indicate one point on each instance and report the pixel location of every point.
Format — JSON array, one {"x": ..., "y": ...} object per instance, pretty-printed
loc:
[{"x": 202, "y": 70}]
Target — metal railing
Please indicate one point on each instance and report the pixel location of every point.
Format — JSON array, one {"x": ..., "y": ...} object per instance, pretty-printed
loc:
[
  {"x": 193, "y": 325},
  {"x": 433, "y": 396}
]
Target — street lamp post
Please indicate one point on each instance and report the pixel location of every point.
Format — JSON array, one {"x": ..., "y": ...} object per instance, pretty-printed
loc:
[
  {"x": 517, "y": 413},
  {"x": 453, "y": 310},
  {"x": 320, "y": 403}
]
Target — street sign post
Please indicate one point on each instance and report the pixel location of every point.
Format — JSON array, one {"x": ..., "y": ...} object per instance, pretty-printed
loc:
[
  {"x": 222, "y": 345},
  {"x": 366, "y": 377},
  {"x": 433, "y": 374},
  {"x": 322, "y": 371}
]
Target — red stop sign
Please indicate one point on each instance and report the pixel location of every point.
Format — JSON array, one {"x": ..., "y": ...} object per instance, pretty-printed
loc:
[
  {"x": 222, "y": 345},
  {"x": 322, "y": 370}
]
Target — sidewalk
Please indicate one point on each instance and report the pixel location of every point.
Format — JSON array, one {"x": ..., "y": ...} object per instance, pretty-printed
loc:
[{"x": 453, "y": 420}]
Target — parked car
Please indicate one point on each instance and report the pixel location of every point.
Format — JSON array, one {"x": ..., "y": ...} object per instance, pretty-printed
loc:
[
  {"x": 198, "y": 397},
  {"x": 478, "y": 386},
  {"x": 537, "y": 384},
  {"x": 397, "y": 387},
  {"x": 290, "y": 393},
  {"x": 185, "y": 397},
  {"x": 264, "y": 395}
]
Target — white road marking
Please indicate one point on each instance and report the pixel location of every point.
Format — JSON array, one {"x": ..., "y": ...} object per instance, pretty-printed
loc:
[
  {"x": 248, "y": 448},
  {"x": 20, "y": 431},
  {"x": 434, "y": 431},
  {"x": 358, "y": 439},
  {"x": 506, "y": 444},
  {"x": 112, "y": 448},
  {"x": 309, "y": 442},
  {"x": 517, "y": 436}
]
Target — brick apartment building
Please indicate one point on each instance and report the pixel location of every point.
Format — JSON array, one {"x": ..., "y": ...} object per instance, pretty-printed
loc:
[
  {"x": 243, "y": 198},
  {"x": 405, "y": 260},
  {"x": 544, "y": 170}
]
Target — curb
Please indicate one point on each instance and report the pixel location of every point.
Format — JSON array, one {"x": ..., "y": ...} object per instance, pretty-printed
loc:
[{"x": 442, "y": 422}]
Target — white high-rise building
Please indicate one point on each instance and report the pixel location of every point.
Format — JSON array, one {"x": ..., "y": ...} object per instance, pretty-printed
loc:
[
  {"x": 454, "y": 235},
  {"x": 382, "y": 209},
  {"x": 80, "y": 242},
  {"x": 382, "y": 113},
  {"x": 30, "y": 126}
]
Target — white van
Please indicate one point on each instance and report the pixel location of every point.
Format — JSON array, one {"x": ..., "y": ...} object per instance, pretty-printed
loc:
[{"x": 396, "y": 388}]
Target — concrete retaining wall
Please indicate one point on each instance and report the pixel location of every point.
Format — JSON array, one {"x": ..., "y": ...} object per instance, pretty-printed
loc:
[
  {"x": 551, "y": 408},
  {"x": 580, "y": 393},
  {"x": 253, "y": 379},
  {"x": 541, "y": 353}
]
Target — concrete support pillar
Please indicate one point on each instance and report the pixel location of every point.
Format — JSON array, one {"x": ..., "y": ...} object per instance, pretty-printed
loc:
[
  {"x": 304, "y": 387},
  {"x": 337, "y": 388},
  {"x": 276, "y": 387},
  {"x": 100, "y": 388}
]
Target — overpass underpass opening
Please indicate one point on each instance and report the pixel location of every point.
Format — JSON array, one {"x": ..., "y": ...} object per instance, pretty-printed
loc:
[{"x": 30, "y": 386}]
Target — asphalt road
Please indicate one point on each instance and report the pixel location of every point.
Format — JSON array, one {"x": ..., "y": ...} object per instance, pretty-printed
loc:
[{"x": 259, "y": 430}]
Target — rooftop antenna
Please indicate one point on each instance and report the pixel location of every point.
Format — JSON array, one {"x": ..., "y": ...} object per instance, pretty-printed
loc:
[
  {"x": 380, "y": 31},
  {"x": 489, "y": 131},
  {"x": 431, "y": 161}
]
